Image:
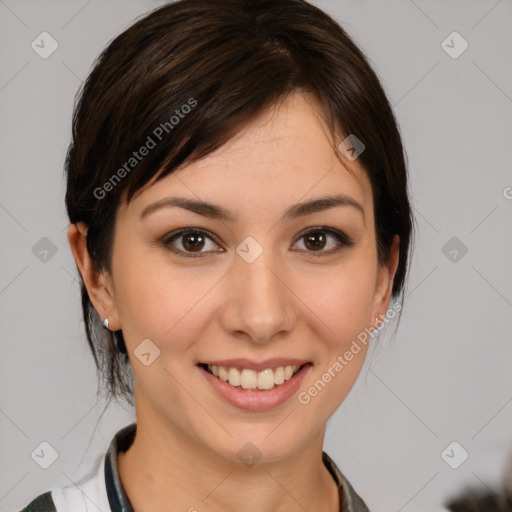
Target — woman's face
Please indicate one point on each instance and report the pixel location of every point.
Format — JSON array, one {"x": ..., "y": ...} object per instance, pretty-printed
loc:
[{"x": 251, "y": 291}]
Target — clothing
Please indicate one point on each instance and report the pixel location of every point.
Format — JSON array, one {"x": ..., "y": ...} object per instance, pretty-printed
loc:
[{"x": 103, "y": 489}]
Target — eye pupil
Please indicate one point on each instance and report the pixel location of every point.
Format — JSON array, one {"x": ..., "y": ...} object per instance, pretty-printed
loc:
[
  {"x": 318, "y": 239},
  {"x": 197, "y": 242}
]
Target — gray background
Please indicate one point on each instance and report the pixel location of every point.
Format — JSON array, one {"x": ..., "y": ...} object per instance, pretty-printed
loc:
[{"x": 444, "y": 377}]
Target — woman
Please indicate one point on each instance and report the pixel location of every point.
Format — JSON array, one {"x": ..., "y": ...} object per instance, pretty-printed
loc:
[{"x": 237, "y": 196}]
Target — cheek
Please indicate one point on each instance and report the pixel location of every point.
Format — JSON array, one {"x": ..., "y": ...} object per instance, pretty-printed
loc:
[
  {"x": 343, "y": 298},
  {"x": 348, "y": 307},
  {"x": 157, "y": 300},
  {"x": 344, "y": 306}
]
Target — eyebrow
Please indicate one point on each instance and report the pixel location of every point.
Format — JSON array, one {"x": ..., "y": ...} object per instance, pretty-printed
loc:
[{"x": 218, "y": 212}]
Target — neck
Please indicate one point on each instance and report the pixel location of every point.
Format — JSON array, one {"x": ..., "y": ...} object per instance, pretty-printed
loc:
[{"x": 166, "y": 470}]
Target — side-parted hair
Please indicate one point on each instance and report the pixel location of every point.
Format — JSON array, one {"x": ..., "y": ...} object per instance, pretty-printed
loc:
[{"x": 182, "y": 81}]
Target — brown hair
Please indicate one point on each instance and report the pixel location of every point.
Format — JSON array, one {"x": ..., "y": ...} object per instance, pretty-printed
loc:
[{"x": 227, "y": 61}]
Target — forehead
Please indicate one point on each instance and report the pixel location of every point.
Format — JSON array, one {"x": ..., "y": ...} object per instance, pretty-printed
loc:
[{"x": 284, "y": 156}]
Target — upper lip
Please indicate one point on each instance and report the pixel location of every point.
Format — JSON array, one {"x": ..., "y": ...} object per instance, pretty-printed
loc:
[{"x": 257, "y": 366}]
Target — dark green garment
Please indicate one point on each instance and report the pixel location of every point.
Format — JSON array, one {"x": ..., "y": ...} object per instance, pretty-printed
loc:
[{"x": 118, "y": 501}]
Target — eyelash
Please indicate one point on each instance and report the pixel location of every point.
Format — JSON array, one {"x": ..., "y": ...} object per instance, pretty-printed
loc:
[{"x": 341, "y": 238}]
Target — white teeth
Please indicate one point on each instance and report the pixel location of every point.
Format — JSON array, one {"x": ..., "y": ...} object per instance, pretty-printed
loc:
[
  {"x": 223, "y": 374},
  {"x": 266, "y": 379},
  {"x": 279, "y": 375},
  {"x": 250, "y": 379},
  {"x": 234, "y": 377}
]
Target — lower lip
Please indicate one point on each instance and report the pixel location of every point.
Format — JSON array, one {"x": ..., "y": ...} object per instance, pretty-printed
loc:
[{"x": 254, "y": 400}]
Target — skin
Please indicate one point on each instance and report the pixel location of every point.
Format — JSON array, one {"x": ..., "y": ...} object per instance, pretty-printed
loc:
[{"x": 289, "y": 302}]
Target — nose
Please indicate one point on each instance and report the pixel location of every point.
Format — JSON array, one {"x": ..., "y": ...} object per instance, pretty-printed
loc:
[{"x": 260, "y": 304}]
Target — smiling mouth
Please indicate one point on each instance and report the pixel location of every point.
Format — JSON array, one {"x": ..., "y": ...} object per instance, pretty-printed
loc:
[{"x": 244, "y": 378}]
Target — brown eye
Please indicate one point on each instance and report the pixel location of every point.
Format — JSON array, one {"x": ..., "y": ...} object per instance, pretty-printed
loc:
[
  {"x": 317, "y": 240},
  {"x": 193, "y": 242},
  {"x": 190, "y": 243}
]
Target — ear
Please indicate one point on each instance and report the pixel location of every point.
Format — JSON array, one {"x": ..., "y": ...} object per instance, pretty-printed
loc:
[
  {"x": 99, "y": 286},
  {"x": 385, "y": 278}
]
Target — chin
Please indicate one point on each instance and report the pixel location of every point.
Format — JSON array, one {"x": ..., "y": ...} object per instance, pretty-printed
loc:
[{"x": 255, "y": 445}]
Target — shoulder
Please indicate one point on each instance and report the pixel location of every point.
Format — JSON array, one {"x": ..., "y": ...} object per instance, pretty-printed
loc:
[
  {"x": 42, "y": 503},
  {"x": 88, "y": 494},
  {"x": 91, "y": 492},
  {"x": 350, "y": 501}
]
